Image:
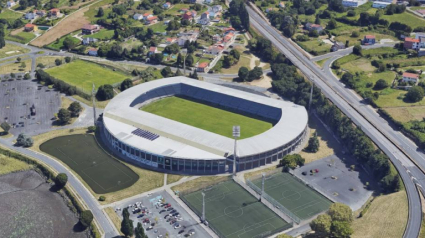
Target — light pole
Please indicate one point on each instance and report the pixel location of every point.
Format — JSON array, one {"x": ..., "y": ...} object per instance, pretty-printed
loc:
[
  {"x": 94, "y": 105},
  {"x": 311, "y": 94},
  {"x": 203, "y": 207},
  {"x": 263, "y": 176},
  {"x": 236, "y": 135}
]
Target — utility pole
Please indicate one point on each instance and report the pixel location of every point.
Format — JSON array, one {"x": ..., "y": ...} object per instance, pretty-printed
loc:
[
  {"x": 236, "y": 135},
  {"x": 203, "y": 207},
  {"x": 311, "y": 95},
  {"x": 263, "y": 177},
  {"x": 94, "y": 105}
]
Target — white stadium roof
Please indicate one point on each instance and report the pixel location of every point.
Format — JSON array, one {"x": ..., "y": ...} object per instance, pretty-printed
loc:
[{"x": 179, "y": 140}]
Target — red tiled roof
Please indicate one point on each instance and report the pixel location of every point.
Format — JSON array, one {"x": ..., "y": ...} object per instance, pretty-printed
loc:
[
  {"x": 152, "y": 49},
  {"x": 29, "y": 25},
  {"x": 410, "y": 75},
  {"x": 369, "y": 36},
  {"x": 54, "y": 10},
  {"x": 408, "y": 39},
  {"x": 152, "y": 18},
  {"x": 89, "y": 27},
  {"x": 93, "y": 49},
  {"x": 146, "y": 14},
  {"x": 203, "y": 65}
]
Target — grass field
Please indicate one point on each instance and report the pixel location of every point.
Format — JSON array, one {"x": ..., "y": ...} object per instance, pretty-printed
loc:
[
  {"x": 206, "y": 117},
  {"x": 21, "y": 37},
  {"x": 386, "y": 217},
  {"x": 234, "y": 213},
  {"x": 201, "y": 182},
  {"x": 244, "y": 61},
  {"x": 83, "y": 74},
  {"x": 9, "y": 165},
  {"x": 294, "y": 195},
  {"x": 406, "y": 114},
  {"x": 322, "y": 62},
  {"x": 315, "y": 45},
  {"x": 11, "y": 50},
  {"x": 48, "y": 61},
  {"x": 102, "y": 35},
  {"x": 16, "y": 67},
  {"x": 58, "y": 45},
  {"x": 9, "y": 14},
  {"x": 405, "y": 18},
  {"x": 100, "y": 171}
]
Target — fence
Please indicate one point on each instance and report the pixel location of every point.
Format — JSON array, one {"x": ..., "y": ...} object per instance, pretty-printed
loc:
[{"x": 275, "y": 203}]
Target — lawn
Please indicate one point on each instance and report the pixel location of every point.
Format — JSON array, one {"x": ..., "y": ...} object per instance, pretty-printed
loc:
[
  {"x": 16, "y": 67},
  {"x": 9, "y": 15},
  {"x": 206, "y": 117},
  {"x": 315, "y": 46},
  {"x": 21, "y": 37},
  {"x": 103, "y": 34},
  {"x": 405, "y": 18},
  {"x": 322, "y": 62},
  {"x": 48, "y": 61},
  {"x": 243, "y": 61},
  {"x": 11, "y": 50},
  {"x": 9, "y": 165},
  {"x": 58, "y": 45},
  {"x": 234, "y": 213},
  {"x": 159, "y": 27},
  {"x": 83, "y": 74},
  {"x": 175, "y": 9},
  {"x": 386, "y": 217},
  {"x": 356, "y": 40},
  {"x": 406, "y": 114}
]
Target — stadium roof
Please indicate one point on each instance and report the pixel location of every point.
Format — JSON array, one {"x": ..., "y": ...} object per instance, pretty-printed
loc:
[{"x": 179, "y": 140}]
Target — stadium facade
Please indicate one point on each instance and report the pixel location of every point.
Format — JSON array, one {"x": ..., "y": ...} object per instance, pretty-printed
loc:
[{"x": 166, "y": 145}]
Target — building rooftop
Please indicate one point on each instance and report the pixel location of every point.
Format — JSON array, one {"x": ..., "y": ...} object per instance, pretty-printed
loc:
[{"x": 410, "y": 75}]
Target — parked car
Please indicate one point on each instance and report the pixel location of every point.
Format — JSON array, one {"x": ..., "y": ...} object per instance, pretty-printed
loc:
[
  {"x": 162, "y": 211},
  {"x": 140, "y": 216},
  {"x": 181, "y": 231},
  {"x": 177, "y": 225}
]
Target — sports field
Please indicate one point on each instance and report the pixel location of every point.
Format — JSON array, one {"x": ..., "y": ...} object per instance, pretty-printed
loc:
[
  {"x": 206, "y": 117},
  {"x": 100, "y": 171},
  {"x": 83, "y": 74},
  {"x": 299, "y": 199},
  {"x": 234, "y": 213}
]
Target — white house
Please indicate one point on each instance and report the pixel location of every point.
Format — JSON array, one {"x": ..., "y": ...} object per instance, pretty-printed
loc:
[
  {"x": 166, "y": 5},
  {"x": 29, "y": 16},
  {"x": 138, "y": 16},
  {"x": 409, "y": 77},
  {"x": 353, "y": 3},
  {"x": 92, "y": 52},
  {"x": 217, "y": 8},
  {"x": 11, "y": 3},
  {"x": 209, "y": 1},
  {"x": 379, "y": 4},
  {"x": 89, "y": 40},
  {"x": 214, "y": 50}
]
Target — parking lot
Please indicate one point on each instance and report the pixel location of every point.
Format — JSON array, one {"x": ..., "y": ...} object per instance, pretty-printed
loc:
[
  {"x": 161, "y": 216},
  {"x": 16, "y": 99}
]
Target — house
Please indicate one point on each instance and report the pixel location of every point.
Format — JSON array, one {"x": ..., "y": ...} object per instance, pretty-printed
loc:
[
  {"x": 151, "y": 20},
  {"x": 138, "y": 17},
  {"x": 411, "y": 44},
  {"x": 205, "y": 18},
  {"x": 368, "y": 40},
  {"x": 166, "y": 5},
  {"x": 282, "y": 4},
  {"x": 10, "y": 3},
  {"x": 40, "y": 13},
  {"x": 421, "y": 11},
  {"x": 409, "y": 77},
  {"x": 202, "y": 67},
  {"x": 147, "y": 15},
  {"x": 189, "y": 15},
  {"x": 92, "y": 52},
  {"x": 166, "y": 22},
  {"x": 217, "y": 38},
  {"x": 337, "y": 46},
  {"x": 182, "y": 39},
  {"x": 353, "y": 3},
  {"x": 313, "y": 27},
  {"x": 152, "y": 50},
  {"x": 90, "y": 29},
  {"x": 421, "y": 52},
  {"x": 170, "y": 41},
  {"x": 214, "y": 50},
  {"x": 229, "y": 29},
  {"x": 229, "y": 37},
  {"x": 269, "y": 10},
  {"x": 30, "y": 27},
  {"x": 54, "y": 12},
  {"x": 379, "y": 4},
  {"x": 29, "y": 16},
  {"x": 89, "y": 40},
  {"x": 209, "y": 1},
  {"x": 217, "y": 8}
]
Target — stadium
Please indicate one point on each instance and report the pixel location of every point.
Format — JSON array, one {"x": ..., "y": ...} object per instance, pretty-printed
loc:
[{"x": 180, "y": 125}]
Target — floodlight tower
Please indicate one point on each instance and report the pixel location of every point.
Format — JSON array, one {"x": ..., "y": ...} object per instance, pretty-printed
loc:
[
  {"x": 263, "y": 178},
  {"x": 203, "y": 207},
  {"x": 236, "y": 135},
  {"x": 94, "y": 104}
]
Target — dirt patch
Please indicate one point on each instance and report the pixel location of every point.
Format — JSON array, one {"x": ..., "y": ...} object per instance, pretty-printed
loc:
[
  {"x": 30, "y": 209},
  {"x": 70, "y": 24},
  {"x": 76, "y": 6},
  {"x": 264, "y": 82},
  {"x": 17, "y": 31}
]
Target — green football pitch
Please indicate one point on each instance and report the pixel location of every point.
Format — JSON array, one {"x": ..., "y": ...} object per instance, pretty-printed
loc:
[
  {"x": 234, "y": 213},
  {"x": 206, "y": 117},
  {"x": 298, "y": 198},
  {"x": 102, "y": 172}
]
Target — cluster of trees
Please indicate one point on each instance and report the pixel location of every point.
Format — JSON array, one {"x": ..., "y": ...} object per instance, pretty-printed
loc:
[
  {"x": 147, "y": 75},
  {"x": 306, "y": 7},
  {"x": 24, "y": 4},
  {"x": 2, "y": 34},
  {"x": 313, "y": 144},
  {"x": 59, "y": 85},
  {"x": 24, "y": 140},
  {"x": 239, "y": 15},
  {"x": 247, "y": 75},
  {"x": 65, "y": 115},
  {"x": 231, "y": 59},
  {"x": 105, "y": 92},
  {"x": 127, "y": 226},
  {"x": 126, "y": 84},
  {"x": 284, "y": 21},
  {"x": 292, "y": 161},
  {"x": 415, "y": 94},
  {"x": 336, "y": 223}
]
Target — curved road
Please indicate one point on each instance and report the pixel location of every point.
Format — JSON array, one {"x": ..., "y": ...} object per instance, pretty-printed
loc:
[{"x": 344, "y": 100}]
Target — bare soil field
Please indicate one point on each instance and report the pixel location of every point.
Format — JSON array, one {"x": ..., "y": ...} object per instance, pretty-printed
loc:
[{"x": 30, "y": 209}]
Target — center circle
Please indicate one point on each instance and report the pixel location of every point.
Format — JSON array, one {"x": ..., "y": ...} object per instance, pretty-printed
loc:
[
  {"x": 233, "y": 211},
  {"x": 291, "y": 195}
]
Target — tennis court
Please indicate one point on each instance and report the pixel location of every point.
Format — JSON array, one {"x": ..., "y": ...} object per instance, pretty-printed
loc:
[
  {"x": 234, "y": 213},
  {"x": 295, "y": 196},
  {"x": 102, "y": 172}
]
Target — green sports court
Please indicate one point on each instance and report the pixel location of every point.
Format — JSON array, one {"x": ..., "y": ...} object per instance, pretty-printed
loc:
[
  {"x": 295, "y": 196},
  {"x": 102, "y": 172},
  {"x": 234, "y": 213}
]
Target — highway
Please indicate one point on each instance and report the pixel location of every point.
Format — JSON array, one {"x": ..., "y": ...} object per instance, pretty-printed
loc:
[{"x": 360, "y": 114}]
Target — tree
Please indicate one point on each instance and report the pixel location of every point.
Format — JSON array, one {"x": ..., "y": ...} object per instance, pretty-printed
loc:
[
  {"x": 415, "y": 94},
  {"x": 380, "y": 84},
  {"x": 67, "y": 59},
  {"x": 156, "y": 58},
  {"x": 340, "y": 212},
  {"x": 18, "y": 59},
  {"x": 178, "y": 73},
  {"x": 126, "y": 84},
  {"x": 27, "y": 76},
  {"x": 68, "y": 43},
  {"x": 126, "y": 224},
  {"x": 86, "y": 218},
  {"x": 91, "y": 129},
  {"x": 292, "y": 161},
  {"x": 24, "y": 140},
  {"x": 189, "y": 60},
  {"x": 139, "y": 231},
  {"x": 355, "y": 34},
  {"x": 105, "y": 92},
  {"x": 6, "y": 127},
  {"x": 166, "y": 72},
  {"x": 255, "y": 73},
  {"x": 194, "y": 75},
  {"x": 331, "y": 24},
  {"x": 322, "y": 225},
  {"x": 64, "y": 116},
  {"x": 357, "y": 50},
  {"x": 348, "y": 79},
  {"x": 243, "y": 73},
  {"x": 172, "y": 49},
  {"x": 179, "y": 60},
  {"x": 341, "y": 229},
  {"x": 58, "y": 62},
  {"x": 100, "y": 12},
  {"x": 313, "y": 144},
  {"x": 347, "y": 43},
  {"x": 75, "y": 108},
  {"x": 61, "y": 180}
]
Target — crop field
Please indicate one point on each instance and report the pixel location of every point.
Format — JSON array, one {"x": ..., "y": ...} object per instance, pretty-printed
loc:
[
  {"x": 234, "y": 213},
  {"x": 298, "y": 198},
  {"x": 206, "y": 117},
  {"x": 102, "y": 172},
  {"x": 83, "y": 74}
]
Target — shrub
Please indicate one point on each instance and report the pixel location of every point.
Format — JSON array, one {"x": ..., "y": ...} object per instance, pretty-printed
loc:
[
  {"x": 415, "y": 94},
  {"x": 380, "y": 84},
  {"x": 91, "y": 129},
  {"x": 102, "y": 198},
  {"x": 86, "y": 218},
  {"x": 61, "y": 180}
]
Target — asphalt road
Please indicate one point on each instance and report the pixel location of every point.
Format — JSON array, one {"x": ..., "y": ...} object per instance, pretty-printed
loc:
[{"x": 343, "y": 98}]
